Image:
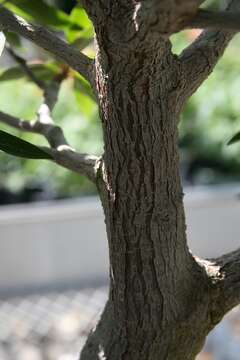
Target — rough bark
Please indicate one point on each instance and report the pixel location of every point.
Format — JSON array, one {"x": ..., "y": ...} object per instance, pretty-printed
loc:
[
  {"x": 216, "y": 20},
  {"x": 163, "y": 301},
  {"x": 200, "y": 58},
  {"x": 155, "y": 311},
  {"x": 228, "y": 269}
]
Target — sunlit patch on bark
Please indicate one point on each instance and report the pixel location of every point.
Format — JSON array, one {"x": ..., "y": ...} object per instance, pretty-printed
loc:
[{"x": 101, "y": 354}]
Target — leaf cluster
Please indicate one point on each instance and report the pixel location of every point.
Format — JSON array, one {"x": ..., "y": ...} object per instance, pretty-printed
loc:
[{"x": 76, "y": 103}]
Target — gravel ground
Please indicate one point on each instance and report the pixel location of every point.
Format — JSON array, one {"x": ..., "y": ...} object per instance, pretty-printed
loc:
[{"x": 54, "y": 326}]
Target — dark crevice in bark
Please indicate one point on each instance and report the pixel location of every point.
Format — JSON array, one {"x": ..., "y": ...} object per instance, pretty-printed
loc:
[
  {"x": 162, "y": 301},
  {"x": 153, "y": 297}
]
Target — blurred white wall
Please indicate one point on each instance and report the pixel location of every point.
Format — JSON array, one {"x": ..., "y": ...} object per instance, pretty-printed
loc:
[
  {"x": 64, "y": 242},
  {"x": 213, "y": 220}
]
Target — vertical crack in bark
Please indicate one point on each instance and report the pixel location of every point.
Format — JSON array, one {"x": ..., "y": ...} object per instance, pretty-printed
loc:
[{"x": 154, "y": 300}]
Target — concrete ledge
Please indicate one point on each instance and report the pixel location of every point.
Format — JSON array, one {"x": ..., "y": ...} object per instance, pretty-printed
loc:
[{"x": 63, "y": 243}]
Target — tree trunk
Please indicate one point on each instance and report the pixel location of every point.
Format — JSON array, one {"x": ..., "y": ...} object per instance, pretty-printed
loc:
[
  {"x": 154, "y": 308},
  {"x": 163, "y": 301}
]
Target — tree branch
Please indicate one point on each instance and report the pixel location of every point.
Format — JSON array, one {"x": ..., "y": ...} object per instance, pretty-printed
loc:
[
  {"x": 164, "y": 17},
  {"x": 220, "y": 20},
  {"x": 60, "y": 150},
  {"x": 199, "y": 59},
  {"x": 23, "y": 64},
  {"x": 42, "y": 126},
  {"x": 83, "y": 164},
  {"x": 223, "y": 276},
  {"x": 50, "y": 92},
  {"x": 229, "y": 281},
  {"x": 62, "y": 153},
  {"x": 48, "y": 41}
]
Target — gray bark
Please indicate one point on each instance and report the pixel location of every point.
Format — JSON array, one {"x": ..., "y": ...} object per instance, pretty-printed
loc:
[
  {"x": 163, "y": 301},
  {"x": 155, "y": 310}
]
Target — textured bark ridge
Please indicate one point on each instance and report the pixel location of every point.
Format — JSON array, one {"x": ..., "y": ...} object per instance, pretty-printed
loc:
[
  {"x": 159, "y": 303},
  {"x": 162, "y": 301}
]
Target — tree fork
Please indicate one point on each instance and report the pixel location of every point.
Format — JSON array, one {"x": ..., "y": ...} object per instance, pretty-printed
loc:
[
  {"x": 154, "y": 305},
  {"x": 162, "y": 301}
]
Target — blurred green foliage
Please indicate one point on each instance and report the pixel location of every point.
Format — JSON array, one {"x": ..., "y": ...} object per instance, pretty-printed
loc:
[
  {"x": 78, "y": 116},
  {"x": 76, "y": 111},
  {"x": 210, "y": 118}
]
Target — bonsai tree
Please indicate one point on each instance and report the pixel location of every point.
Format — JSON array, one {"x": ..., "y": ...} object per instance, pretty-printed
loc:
[{"x": 163, "y": 300}]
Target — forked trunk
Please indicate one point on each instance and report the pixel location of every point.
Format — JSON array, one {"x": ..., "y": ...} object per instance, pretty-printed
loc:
[
  {"x": 162, "y": 301},
  {"x": 157, "y": 299}
]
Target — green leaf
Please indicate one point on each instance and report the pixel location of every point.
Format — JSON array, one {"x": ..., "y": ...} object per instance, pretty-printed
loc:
[
  {"x": 45, "y": 72},
  {"x": 18, "y": 147},
  {"x": 13, "y": 38},
  {"x": 82, "y": 43},
  {"x": 84, "y": 102},
  {"x": 41, "y": 12},
  {"x": 84, "y": 96},
  {"x": 79, "y": 16},
  {"x": 234, "y": 139},
  {"x": 81, "y": 85}
]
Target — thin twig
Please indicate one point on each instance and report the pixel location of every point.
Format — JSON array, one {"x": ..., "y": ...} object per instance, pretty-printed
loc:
[
  {"x": 50, "y": 92},
  {"x": 23, "y": 64},
  {"x": 61, "y": 152},
  {"x": 43, "y": 125},
  {"x": 48, "y": 41}
]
